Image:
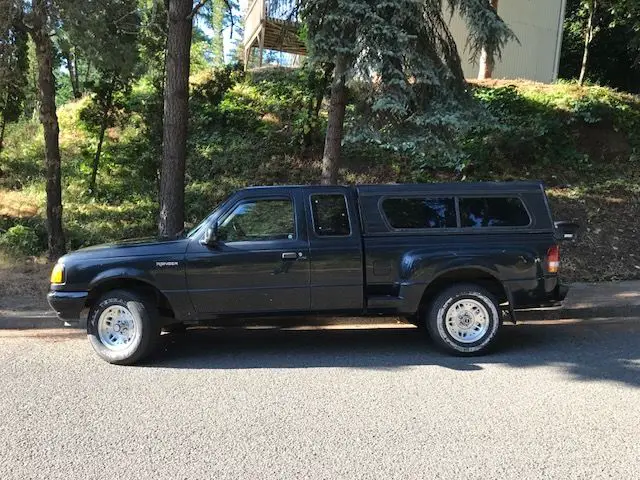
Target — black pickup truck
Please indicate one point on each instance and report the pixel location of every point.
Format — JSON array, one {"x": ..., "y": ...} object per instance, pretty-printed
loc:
[{"x": 455, "y": 258}]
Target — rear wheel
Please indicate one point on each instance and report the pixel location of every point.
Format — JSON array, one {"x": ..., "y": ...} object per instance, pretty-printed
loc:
[
  {"x": 123, "y": 327},
  {"x": 464, "y": 319}
]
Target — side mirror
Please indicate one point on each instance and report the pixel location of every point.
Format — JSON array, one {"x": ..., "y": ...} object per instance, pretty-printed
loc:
[
  {"x": 567, "y": 231},
  {"x": 210, "y": 238}
]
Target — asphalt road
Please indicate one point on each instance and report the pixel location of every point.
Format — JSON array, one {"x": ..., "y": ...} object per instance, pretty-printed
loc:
[{"x": 556, "y": 401}]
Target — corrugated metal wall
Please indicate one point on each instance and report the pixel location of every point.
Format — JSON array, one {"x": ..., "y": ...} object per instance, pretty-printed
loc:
[{"x": 538, "y": 26}]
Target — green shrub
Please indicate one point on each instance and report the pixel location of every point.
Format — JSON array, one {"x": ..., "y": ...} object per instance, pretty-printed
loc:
[{"x": 21, "y": 240}]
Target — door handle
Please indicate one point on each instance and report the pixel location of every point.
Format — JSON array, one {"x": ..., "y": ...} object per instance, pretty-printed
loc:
[{"x": 290, "y": 256}]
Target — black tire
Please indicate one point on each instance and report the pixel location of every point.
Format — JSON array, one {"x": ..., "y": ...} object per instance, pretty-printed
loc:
[
  {"x": 144, "y": 314},
  {"x": 463, "y": 341}
]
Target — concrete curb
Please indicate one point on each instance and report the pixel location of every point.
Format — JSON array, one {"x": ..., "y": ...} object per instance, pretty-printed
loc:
[
  {"x": 18, "y": 320},
  {"x": 592, "y": 300},
  {"x": 560, "y": 313}
]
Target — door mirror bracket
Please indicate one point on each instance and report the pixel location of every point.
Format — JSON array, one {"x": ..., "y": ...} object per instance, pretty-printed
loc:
[{"x": 210, "y": 237}]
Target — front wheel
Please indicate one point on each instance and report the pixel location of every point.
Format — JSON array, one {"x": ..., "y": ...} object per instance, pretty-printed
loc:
[
  {"x": 464, "y": 319},
  {"x": 123, "y": 327}
]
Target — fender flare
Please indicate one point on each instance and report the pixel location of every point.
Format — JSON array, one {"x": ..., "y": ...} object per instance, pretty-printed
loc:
[
  {"x": 129, "y": 274},
  {"x": 472, "y": 267}
]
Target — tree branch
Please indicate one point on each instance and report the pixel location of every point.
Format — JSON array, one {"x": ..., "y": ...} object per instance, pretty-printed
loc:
[
  {"x": 228, "y": 4},
  {"x": 202, "y": 3},
  {"x": 199, "y": 5}
]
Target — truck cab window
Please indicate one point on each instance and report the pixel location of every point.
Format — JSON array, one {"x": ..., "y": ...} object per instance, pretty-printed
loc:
[
  {"x": 259, "y": 220},
  {"x": 330, "y": 216}
]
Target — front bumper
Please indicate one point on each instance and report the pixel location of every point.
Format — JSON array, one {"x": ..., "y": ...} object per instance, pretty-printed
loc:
[{"x": 68, "y": 305}]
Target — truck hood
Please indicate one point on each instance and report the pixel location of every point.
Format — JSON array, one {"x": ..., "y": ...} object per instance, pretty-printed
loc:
[{"x": 138, "y": 247}]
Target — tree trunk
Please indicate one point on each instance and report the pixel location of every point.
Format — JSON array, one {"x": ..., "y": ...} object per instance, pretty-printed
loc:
[
  {"x": 176, "y": 117},
  {"x": 335, "y": 124},
  {"x": 86, "y": 73},
  {"x": 72, "y": 73},
  {"x": 76, "y": 74},
  {"x": 103, "y": 129},
  {"x": 2, "y": 127},
  {"x": 487, "y": 60},
  {"x": 588, "y": 37},
  {"x": 49, "y": 120}
]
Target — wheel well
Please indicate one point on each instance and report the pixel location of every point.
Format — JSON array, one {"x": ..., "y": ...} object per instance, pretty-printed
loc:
[
  {"x": 466, "y": 275},
  {"x": 131, "y": 284}
]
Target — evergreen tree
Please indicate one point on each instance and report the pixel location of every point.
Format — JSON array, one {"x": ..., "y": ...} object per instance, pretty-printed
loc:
[
  {"x": 180, "y": 15},
  {"x": 39, "y": 20},
  {"x": 217, "y": 13},
  {"x": 602, "y": 41},
  {"x": 405, "y": 52},
  {"x": 487, "y": 58},
  {"x": 176, "y": 116}
]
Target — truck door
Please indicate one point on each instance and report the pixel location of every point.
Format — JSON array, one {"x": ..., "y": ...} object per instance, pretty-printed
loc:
[
  {"x": 335, "y": 249},
  {"x": 261, "y": 261}
]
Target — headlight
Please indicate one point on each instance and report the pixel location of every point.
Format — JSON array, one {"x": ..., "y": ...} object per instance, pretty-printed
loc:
[{"x": 57, "y": 274}]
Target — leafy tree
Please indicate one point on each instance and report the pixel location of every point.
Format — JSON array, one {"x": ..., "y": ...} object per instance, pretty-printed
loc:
[
  {"x": 107, "y": 32},
  {"x": 202, "y": 51},
  {"x": 152, "y": 43},
  {"x": 603, "y": 33},
  {"x": 14, "y": 64},
  {"x": 70, "y": 55},
  {"x": 405, "y": 53}
]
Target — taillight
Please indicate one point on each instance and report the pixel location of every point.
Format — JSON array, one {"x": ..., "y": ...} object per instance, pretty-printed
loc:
[{"x": 553, "y": 259}]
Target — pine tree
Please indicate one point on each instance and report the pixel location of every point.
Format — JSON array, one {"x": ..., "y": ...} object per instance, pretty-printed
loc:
[
  {"x": 405, "y": 53},
  {"x": 217, "y": 14},
  {"x": 487, "y": 58},
  {"x": 176, "y": 117},
  {"x": 180, "y": 14},
  {"x": 39, "y": 21}
]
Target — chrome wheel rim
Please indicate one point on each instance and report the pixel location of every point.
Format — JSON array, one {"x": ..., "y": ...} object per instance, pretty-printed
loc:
[
  {"x": 117, "y": 327},
  {"x": 467, "y": 321}
]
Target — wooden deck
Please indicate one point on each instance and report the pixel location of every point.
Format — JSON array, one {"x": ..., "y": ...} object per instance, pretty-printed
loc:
[{"x": 266, "y": 31}]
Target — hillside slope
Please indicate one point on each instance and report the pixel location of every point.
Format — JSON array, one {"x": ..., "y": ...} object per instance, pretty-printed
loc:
[{"x": 584, "y": 143}]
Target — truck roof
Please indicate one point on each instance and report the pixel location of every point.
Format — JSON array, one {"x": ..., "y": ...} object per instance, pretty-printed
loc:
[{"x": 444, "y": 187}]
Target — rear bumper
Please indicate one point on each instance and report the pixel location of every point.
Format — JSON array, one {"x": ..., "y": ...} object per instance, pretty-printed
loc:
[
  {"x": 537, "y": 293},
  {"x": 562, "y": 292},
  {"x": 68, "y": 305}
]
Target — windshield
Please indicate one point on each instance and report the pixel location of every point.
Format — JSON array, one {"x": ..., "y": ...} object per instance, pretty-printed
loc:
[{"x": 198, "y": 228}]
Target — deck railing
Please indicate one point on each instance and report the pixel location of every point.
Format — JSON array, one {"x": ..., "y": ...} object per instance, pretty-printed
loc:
[
  {"x": 260, "y": 10},
  {"x": 281, "y": 10}
]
